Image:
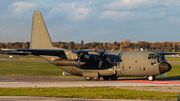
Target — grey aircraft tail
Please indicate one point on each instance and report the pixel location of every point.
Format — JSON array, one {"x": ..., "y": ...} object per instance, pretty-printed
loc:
[{"x": 40, "y": 38}]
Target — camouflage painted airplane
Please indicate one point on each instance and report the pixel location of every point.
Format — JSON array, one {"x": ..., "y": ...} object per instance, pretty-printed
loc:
[{"x": 94, "y": 64}]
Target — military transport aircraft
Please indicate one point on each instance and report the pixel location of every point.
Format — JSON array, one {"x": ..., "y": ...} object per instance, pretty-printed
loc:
[{"x": 93, "y": 64}]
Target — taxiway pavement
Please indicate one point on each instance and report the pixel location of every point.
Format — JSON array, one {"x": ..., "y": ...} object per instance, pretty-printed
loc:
[{"x": 163, "y": 85}]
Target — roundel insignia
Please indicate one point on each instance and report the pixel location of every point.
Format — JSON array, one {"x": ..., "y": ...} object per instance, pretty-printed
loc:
[{"x": 52, "y": 59}]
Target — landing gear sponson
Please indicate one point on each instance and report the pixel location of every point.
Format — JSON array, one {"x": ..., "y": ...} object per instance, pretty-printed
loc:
[
  {"x": 97, "y": 78},
  {"x": 150, "y": 78}
]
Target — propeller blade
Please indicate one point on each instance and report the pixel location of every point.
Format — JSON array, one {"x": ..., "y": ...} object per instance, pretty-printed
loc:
[
  {"x": 79, "y": 54},
  {"x": 157, "y": 50},
  {"x": 86, "y": 56},
  {"x": 78, "y": 65},
  {"x": 105, "y": 48},
  {"x": 100, "y": 63},
  {"x": 81, "y": 44},
  {"x": 103, "y": 56},
  {"x": 163, "y": 49},
  {"x": 108, "y": 59},
  {"x": 162, "y": 55},
  {"x": 139, "y": 48}
]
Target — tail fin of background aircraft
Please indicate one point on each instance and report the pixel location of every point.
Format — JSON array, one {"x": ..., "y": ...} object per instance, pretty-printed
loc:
[{"x": 40, "y": 38}]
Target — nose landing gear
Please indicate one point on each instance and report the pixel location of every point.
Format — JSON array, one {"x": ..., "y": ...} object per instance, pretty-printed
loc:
[{"x": 151, "y": 78}]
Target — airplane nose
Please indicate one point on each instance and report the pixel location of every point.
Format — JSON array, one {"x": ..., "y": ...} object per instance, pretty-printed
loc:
[{"x": 164, "y": 67}]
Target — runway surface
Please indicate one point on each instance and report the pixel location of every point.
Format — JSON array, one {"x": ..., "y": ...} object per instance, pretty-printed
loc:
[{"x": 164, "y": 85}]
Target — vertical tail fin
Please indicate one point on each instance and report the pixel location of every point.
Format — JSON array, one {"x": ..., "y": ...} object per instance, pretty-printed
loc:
[{"x": 40, "y": 38}]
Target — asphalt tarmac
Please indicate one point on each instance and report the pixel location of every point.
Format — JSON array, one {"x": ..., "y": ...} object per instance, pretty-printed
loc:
[{"x": 163, "y": 85}]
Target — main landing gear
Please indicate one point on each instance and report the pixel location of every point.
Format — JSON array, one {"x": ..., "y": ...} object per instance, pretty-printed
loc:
[
  {"x": 112, "y": 78},
  {"x": 151, "y": 78},
  {"x": 92, "y": 78},
  {"x": 88, "y": 78}
]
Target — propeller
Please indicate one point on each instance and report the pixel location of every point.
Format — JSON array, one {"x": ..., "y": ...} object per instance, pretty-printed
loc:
[
  {"x": 79, "y": 54},
  {"x": 103, "y": 56},
  {"x": 139, "y": 48},
  {"x": 163, "y": 51},
  {"x": 157, "y": 50},
  {"x": 86, "y": 56},
  {"x": 1, "y": 51}
]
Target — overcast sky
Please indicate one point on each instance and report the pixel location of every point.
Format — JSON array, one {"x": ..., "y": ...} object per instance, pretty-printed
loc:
[{"x": 93, "y": 20}]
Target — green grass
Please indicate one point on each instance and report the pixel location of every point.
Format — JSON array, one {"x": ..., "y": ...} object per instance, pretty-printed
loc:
[
  {"x": 90, "y": 93},
  {"x": 173, "y": 59},
  {"x": 175, "y": 70},
  {"x": 29, "y": 68},
  {"x": 6, "y": 56}
]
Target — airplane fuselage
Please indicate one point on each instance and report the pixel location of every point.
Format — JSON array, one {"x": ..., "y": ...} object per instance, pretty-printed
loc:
[{"x": 123, "y": 64}]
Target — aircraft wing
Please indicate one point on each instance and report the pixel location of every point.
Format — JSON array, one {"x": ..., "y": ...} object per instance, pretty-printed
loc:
[
  {"x": 52, "y": 52},
  {"x": 33, "y": 51},
  {"x": 166, "y": 53},
  {"x": 88, "y": 55}
]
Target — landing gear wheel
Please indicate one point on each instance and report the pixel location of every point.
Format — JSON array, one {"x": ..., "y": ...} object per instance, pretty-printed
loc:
[
  {"x": 151, "y": 78},
  {"x": 88, "y": 78},
  {"x": 106, "y": 78},
  {"x": 113, "y": 78},
  {"x": 96, "y": 78}
]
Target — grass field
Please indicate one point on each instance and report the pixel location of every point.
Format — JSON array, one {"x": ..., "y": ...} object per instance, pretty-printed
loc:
[
  {"x": 173, "y": 59},
  {"x": 90, "y": 93},
  {"x": 29, "y": 68},
  {"x": 175, "y": 70},
  {"x": 3, "y": 56}
]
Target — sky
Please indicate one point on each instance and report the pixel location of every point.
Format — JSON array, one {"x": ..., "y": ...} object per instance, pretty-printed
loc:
[{"x": 93, "y": 20}]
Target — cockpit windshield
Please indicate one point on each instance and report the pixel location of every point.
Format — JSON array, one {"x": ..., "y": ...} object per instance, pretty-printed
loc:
[
  {"x": 156, "y": 56},
  {"x": 152, "y": 56}
]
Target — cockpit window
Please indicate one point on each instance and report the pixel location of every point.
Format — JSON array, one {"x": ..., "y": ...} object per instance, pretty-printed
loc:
[
  {"x": 152, "y": 56},
  {"x": 153, "y": 63},
  {"x": 158, "y": 58},
  {"x": 155, "y": 56}
]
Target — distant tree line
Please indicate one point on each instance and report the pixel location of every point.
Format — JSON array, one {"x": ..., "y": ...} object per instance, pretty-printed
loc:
[{"x": 127, "y": 44}]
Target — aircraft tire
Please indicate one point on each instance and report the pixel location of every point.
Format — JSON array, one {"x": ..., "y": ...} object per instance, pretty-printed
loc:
[
  {"x": 88, "y": 78},
  {"x": 106, "y": 78},
  {"x": 151, "y": 78},
  {"x": 113, "y": 78},
  {"x": 96, "y": 78}
]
